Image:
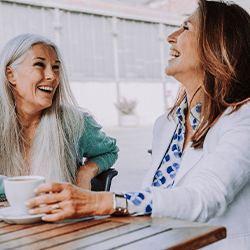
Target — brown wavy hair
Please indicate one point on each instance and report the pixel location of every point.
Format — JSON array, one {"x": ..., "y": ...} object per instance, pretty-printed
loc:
[{"x": 224, "y": 51}]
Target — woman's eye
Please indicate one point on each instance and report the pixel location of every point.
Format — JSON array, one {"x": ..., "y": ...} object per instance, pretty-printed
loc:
[
  {"x": 55, "y": 67},
  {"x": 40, "y": 64}
]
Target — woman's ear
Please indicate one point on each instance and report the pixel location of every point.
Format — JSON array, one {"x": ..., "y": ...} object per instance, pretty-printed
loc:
[{"x": 9, "y": 73}]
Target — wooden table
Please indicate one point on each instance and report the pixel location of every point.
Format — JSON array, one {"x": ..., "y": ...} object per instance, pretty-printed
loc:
[{"x": 140, "y": 232}]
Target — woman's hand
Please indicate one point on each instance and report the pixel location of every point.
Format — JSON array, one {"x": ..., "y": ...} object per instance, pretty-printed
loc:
[
  {"x": 66, "y": 201},
  {"x": 85, "y": 174}
]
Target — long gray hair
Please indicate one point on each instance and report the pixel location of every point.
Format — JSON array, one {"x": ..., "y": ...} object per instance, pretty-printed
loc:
[{"x": 55, "y": 144}]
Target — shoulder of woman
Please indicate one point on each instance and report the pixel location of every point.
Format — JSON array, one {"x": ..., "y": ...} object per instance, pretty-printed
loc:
[
  {"x": 90, "y": 120},
  {"x": 243, "y": 111},
  {"x": 163, "y": 120},
  {"x": 238, "y": 118},
  {"x": 76, "y": 114}
]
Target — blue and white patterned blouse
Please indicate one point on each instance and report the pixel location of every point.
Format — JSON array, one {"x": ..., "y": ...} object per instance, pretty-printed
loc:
[{"x": 141, "y": 202}]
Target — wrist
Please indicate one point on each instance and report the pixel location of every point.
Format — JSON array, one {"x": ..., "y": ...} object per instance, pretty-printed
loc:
[{"x": 105, "y": 204}]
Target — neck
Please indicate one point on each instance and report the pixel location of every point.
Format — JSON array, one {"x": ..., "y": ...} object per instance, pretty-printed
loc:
[
  {"x": 193, "y": 89},
  {"x": 194, "y": 98},
  {"x": 29, "y": 123},
  {"x": 28, "y": 119}
]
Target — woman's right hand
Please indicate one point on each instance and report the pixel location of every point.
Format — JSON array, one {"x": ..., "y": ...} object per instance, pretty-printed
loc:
[{"x": 65, "y": 201}]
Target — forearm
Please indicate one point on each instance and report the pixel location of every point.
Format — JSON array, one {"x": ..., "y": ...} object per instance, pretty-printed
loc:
[
  {"x": 104, "y": 161},
  {"x": 85, "y": 174},
  {"x": 140, "y": 202}
]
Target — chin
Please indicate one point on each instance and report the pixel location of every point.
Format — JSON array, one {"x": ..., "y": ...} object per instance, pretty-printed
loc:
[
  {"x": 169, "y": 71},
  {"x": 45, "y": 106}
]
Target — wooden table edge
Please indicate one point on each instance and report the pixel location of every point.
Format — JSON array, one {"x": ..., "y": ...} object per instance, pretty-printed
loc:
[{"x": 214, "y": 236}]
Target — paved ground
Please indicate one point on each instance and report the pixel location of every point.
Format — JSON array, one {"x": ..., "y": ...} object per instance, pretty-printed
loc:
[{"x": 134, "y": 159}]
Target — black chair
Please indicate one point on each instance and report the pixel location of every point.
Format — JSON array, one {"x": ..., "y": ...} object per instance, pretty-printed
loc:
[{"x": 102, "y": 182}]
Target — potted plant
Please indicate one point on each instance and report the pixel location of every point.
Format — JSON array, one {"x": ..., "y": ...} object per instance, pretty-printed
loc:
[{"x": 127, "y": 116}]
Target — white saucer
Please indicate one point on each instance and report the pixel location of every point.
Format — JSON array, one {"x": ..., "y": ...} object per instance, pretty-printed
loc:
[{"x": 7, "y": 215}]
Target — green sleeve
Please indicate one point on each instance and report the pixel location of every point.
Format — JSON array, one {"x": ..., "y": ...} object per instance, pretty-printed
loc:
[
  {"x": 2, "y": 193},
  {"x": 96, "y": 146}
]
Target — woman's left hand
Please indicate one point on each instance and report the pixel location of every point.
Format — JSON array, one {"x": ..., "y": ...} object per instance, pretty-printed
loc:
[{"x": 66, "y": 201}]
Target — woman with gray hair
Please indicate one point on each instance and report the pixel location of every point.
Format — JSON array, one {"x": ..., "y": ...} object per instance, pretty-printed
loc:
[{"x": 42, "y": 129}]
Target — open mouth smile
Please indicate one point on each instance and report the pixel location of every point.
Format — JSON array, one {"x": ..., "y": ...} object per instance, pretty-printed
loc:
[
  {"x": 45, "y": 89},
  {"x": 174, "y": 53}
]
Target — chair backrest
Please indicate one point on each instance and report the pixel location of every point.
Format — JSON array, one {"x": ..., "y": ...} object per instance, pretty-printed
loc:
[{"x": 102, "y": 182}]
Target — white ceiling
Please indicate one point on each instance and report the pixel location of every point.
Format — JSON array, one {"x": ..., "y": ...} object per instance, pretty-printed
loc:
[
  {"x": 243, "y": 3},
  {"x": 135, "y": 1}
]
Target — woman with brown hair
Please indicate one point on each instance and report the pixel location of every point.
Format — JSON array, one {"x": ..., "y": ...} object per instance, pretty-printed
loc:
[{"x": 200, "y": 168}]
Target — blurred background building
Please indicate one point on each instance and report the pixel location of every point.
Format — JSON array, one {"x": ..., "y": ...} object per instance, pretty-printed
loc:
[{"x": 112, "y": 49}]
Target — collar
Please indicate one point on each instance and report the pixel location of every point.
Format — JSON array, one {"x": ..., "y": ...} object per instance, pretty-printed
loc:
[{"x": 194, "y": 116}]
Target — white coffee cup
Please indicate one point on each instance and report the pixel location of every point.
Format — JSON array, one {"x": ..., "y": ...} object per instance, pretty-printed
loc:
[{"x": 19, "y": 189}]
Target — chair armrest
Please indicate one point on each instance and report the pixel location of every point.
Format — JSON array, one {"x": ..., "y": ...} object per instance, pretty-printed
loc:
[{"x": 102, "y": 182}]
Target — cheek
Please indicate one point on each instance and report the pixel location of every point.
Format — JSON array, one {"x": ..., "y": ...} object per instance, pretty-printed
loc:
[
  {"x": 187, "y": 43},
  {"x": 30, "y": 76},
  {"x": 189, "y": 52},
  {"x": 26, "y": 73},
  {"x": 58, "y": 80},
  {"x": 56, "y": 84}
]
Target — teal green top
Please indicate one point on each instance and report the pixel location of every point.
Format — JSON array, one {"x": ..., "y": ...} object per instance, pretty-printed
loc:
[{"x": 94, "y": 145}]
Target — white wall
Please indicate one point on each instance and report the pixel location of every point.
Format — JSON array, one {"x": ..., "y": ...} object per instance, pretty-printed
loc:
[
  {"x": 244, "y": 4},
  {"x": 99, "y": 98}
]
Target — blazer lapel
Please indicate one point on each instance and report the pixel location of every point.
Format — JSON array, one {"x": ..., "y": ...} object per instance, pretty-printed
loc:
[
  {"x": 189, "y": 160},
  {"x": 161, "y": 142}
]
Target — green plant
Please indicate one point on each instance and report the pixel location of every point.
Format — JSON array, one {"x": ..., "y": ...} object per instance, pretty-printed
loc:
[{"x": 126, "y": 106}]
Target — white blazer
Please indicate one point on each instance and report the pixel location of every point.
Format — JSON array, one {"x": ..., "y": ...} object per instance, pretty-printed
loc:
[{"x": 212, "y": 184}]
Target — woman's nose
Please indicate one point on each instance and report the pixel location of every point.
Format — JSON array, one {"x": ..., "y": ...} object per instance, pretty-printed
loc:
[
  {"x": 49, "y": 73},
  {"x": 172, "y": 38}
]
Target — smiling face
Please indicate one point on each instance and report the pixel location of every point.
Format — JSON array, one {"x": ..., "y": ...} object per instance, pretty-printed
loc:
[
  {"x": 184, "y": 62},
  {"x": 35, "y": 80}
]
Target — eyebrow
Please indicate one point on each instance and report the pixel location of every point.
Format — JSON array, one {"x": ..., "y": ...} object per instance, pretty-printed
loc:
[{"x": 43, "y": 59}]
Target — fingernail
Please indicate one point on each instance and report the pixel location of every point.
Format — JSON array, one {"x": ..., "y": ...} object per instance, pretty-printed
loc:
[
  {"x": 35, "y": 190},
  {"x": 31, "y": 211},
  {"x": 27, "y": 203},
  {"x": 43, "y": 218}
]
